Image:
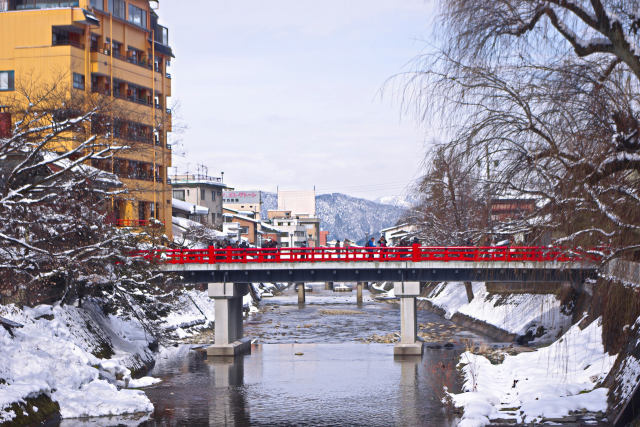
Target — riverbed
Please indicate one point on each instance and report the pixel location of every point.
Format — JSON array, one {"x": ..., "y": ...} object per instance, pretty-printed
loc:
[{"x": 327, "y": 362}]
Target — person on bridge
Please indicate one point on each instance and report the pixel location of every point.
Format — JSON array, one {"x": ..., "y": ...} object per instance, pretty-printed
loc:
[
  {"x": 371, "y": 243},
  {"x": 338, "y": 248},
  {"x": 383, "y": 244}
]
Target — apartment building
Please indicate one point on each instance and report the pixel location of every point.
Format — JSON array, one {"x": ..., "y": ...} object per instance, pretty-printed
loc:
[{"x": 110, "y": 48}]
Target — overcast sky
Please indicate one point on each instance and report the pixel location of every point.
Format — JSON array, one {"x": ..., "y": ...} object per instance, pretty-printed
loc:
[{"x": 287, "y": 92}]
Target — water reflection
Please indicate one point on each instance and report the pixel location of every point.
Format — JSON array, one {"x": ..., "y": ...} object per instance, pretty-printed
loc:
[{"x": 301, "y": 384}]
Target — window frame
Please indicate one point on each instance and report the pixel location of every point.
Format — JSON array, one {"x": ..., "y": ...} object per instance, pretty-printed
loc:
[
  {"x": 176, "y": 193},
  {"x": 11, "y": 80},
  {"x": 116, "y": 4},
  {"x": 134, "y": 12},
  {"x": 80, "y": 85},
  {"x": 97, "y": 4}
]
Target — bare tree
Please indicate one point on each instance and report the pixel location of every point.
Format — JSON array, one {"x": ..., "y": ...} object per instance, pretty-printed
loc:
[
  {"x": 53, "y": 204},
  {"x": 546, "y": 94}
]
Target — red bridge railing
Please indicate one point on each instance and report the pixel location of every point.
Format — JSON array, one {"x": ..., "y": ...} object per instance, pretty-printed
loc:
[{"x": 414, "y": 253}]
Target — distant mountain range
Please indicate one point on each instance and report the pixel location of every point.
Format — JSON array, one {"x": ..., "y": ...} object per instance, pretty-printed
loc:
[{"x": 347, "y": 217}]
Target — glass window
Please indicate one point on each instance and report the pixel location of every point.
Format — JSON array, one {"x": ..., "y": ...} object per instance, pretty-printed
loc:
[
  {"x": 78, "y": 81},
  {"x": 203, "y": 194},
  {"x": 117, "y": 8},
  {"x": 44, "y": 4},
  {"x": 178, "y": 194},
  {"x": 97, "y": 4},
  {"x": 7, "y": 81},
  {"x": 137, "y": 16},
  {"x": 213, "y": 195}
]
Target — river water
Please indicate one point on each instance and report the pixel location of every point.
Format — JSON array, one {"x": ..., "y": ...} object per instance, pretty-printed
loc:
[{"x": 315, "y": 364}]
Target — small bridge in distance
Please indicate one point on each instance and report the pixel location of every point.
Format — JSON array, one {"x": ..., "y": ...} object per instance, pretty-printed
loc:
[{"x": 229, "y": 271}]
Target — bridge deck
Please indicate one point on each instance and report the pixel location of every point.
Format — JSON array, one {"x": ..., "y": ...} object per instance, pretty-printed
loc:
[{"x": 509, "y": 264}]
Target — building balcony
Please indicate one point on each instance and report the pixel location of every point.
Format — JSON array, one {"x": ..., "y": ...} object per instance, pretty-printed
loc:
[
  {"x": 72, "y": 43},
  {"x": 138, "y": 223},
  {"x": 128, "y": 70}
]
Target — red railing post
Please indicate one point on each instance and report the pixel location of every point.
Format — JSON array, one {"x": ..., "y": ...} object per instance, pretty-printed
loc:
[
  {"x": 212, "y": 255},
  {"x": 415, "y": 252}
]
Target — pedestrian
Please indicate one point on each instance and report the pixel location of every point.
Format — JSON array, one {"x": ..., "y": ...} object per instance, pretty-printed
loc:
[
  {"x": 383, "y": 244},
  {"x": 338, "y": 248},
  {"x": 371, "y": 244}
]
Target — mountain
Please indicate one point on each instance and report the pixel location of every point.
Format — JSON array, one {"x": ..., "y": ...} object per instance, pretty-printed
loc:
[
  {"x": 346, "y": 216},
  {"x": 405, "y": 200}
]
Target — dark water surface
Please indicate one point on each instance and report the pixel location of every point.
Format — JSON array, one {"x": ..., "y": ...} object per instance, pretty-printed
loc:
[{"x": 306, "y": 369}]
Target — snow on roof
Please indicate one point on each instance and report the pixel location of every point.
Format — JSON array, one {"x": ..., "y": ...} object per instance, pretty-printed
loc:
[
  {"x": 189, "y": 207},
  {"x": 184, "y": 223}
]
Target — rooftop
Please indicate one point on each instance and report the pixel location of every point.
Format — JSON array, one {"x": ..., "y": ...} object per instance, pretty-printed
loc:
[{"x": 197, "y": 179}]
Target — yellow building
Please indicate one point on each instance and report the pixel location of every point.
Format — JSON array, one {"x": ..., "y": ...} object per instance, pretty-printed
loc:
[{"x": 114, "y": 48}]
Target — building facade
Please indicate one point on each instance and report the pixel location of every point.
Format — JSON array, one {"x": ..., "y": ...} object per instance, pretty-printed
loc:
[
  {"x": 201, "y": 190},
  {"x": 110, "y": 48},
  {"x": 243, "y": 201}
]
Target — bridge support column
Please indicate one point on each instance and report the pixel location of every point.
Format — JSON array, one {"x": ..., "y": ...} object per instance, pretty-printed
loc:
[
  {"x": 359, "y": 287},
  {"x": 408, "y": 345},
  {"x": 469, "y": 288},
  {"x": 229, "y": 340},
  {"x": 301, "y": 293},
  {"x": 328, "y": 286}
]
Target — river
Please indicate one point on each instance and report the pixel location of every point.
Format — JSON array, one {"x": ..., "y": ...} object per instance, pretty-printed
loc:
[{"x": 314, "y": 364}]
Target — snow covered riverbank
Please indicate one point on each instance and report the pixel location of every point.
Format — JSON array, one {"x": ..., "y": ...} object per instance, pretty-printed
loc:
[
  {"x": 550, "y": 383},
  {"x": 86, "y": 361},
  {"x": 78, "y": 357},
  {"x": 538, "y": 316}
]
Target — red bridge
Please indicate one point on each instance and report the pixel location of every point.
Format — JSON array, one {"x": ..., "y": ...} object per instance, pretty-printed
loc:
[
  {"x": 504, "y": 263},
  {"x": 228, "y": 272}
]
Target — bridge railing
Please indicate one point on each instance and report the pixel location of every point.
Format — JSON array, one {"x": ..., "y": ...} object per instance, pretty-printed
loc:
[{"x": 413, "y": 253}]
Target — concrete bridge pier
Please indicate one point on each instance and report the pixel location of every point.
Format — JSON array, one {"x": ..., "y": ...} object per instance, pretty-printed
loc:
[
  {"x": 302, "y": 294},
  {"x": 359, "y": 288},
  {"x": 408, "y": 345},
  {"x": 229, "y": 340}
]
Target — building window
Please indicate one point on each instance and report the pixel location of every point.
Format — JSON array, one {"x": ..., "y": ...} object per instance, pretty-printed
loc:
[
  {"x": 137, "y": 16},
  {"x": 178, "y": 194},
  {"x": 117, "y": 8},
  {"x": 97, "y": 4},
  {"x": 213, "y": 195},
  {"x": 44, "y": 4},
  {"x": 142, "y": 211},
  {"x": 7, "y": 81},
  {"x": 78, "y": 81},
  {"x": 244, "y": 230},
  {"x": 203, "y": 194}
]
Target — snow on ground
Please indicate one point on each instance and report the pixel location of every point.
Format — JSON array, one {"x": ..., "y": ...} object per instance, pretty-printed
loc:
[
  {"x": 548, "y": 383},
  {"x": 193, "y": 310},
  {"x": 52, "y": 354},
  {"x": 515, "y": 313}
]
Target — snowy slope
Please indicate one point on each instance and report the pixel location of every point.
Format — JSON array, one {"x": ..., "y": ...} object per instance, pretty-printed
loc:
[
  {"x": 346, "y": 216},
  {"x": 550, "y": 383},
  {"x": 516, "y": 313}
]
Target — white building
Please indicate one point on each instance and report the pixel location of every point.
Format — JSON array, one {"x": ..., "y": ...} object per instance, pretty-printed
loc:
[
  {"x": 300, "y": 203},
  {"x": 243, "y": 201},
  {"x": 201, "y": 190}
]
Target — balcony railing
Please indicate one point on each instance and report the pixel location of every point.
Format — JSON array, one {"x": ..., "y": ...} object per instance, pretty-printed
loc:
[
  {"x": 68, "y": 43},
  {"x": 138, "y": 223},
  {"x": 195, "y": 177}
]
